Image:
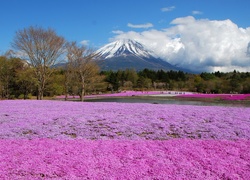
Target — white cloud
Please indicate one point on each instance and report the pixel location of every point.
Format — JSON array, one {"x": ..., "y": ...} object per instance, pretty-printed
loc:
[
  {"x": 85, "y": 42},
  {"x": 167, "y": 9},
  {"x": 199, "y": 44},
  {"x": 196, "y": 12},
  {"x": 248, "y": 49},
  {"x": 147, "y": 25}
]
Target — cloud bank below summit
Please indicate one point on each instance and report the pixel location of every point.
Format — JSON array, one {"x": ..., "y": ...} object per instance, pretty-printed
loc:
[{"x": 198, "y": 44}]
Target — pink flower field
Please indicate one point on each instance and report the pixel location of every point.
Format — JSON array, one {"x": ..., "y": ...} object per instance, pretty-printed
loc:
[
  {"x": 120, "y": 94},
  {"x": 219, "y": 96},
  {"x": 80, "y": 140}
]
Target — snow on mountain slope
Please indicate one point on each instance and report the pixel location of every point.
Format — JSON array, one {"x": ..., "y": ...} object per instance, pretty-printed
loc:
[
  {"x": 124, "y": 47},
  {"x": 129, "y": 54}
]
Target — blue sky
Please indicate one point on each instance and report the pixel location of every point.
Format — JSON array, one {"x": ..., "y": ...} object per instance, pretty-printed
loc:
[{"x": 97, "y": 22}]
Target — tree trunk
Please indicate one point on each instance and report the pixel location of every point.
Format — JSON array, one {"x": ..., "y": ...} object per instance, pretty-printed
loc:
[
  {"x": 83, "y": 89},
  {"x": 66, "y": 92},
  {"x": 40, "y": 93},
  {"x": 82, "y": 93}
]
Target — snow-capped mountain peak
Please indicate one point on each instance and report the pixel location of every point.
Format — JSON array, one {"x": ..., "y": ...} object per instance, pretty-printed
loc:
[
  {"x": 124, "y": 47},
  {"x": 129, "y": 54}
]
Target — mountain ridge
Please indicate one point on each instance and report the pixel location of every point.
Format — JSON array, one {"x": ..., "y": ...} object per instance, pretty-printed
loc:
[
  {"x": 130, "y": 54},
  {"x": 124, "y": 47}
]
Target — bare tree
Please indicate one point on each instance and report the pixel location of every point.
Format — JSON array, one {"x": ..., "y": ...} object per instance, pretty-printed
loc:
[
  {"x": 82, "y": 64},
  {"x": 42, "y": 48}
]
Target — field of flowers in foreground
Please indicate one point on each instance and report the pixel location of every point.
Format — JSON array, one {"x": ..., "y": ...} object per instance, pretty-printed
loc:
[{"x": 74, "y": 140}]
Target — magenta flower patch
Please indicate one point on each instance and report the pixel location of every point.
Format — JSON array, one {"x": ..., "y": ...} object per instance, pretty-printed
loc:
[
  {"x": 79, "y": 140},
  {"x": 123, "y": 159},
  {"x": 76, "y": 120},
  {"x": 220, "y": 96}
]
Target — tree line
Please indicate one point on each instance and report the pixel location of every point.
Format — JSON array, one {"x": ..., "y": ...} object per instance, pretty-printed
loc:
[
  {"x": 216, "y": 82},
  {"x": 18, "y": 80},
  {"x": 29, "y": 70}
]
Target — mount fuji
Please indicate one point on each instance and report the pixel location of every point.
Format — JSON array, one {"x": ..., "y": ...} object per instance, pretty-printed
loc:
[{"x": 129, "y": 54}]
